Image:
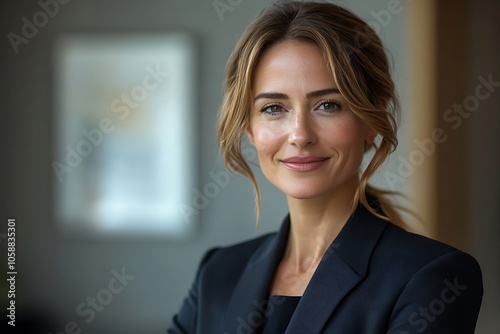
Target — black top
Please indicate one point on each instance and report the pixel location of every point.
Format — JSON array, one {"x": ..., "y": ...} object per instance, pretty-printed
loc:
[{"x": 278, "y": 314}]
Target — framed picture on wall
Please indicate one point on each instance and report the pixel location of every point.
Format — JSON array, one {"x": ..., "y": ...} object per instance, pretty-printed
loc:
[{"x": 124, "y": 134}]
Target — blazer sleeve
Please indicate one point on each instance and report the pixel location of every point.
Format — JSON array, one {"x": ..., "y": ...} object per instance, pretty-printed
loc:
[
  {"x": 184, "y": 322},
  {"x": 442, "y": 297}
]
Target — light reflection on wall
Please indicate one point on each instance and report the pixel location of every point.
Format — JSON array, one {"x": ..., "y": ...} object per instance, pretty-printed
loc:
[{"x": 124, "y": 149}]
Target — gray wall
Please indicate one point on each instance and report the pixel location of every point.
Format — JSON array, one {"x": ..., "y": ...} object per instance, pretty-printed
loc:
[{"x": 59, "y": 274}]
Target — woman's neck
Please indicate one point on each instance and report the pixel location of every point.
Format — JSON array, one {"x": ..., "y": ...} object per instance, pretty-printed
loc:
[{"x": 315, "y": 223}]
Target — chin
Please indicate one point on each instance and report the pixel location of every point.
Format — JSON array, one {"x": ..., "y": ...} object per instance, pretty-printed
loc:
[
  {"x": 304, "y": 191},
  {"x": 317, "y": 187}
]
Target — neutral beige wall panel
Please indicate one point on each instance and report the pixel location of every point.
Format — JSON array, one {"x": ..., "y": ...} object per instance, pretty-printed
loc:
[{"x": 423, "y": 106}]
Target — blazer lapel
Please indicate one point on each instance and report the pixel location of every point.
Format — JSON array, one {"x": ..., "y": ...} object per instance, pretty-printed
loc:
[
  {"x": 344, "y": 264},
  {"x": 248, "y": 301}
]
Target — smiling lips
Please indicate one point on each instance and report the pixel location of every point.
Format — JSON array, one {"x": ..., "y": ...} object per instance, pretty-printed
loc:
[{"x": 303, "y": 164}]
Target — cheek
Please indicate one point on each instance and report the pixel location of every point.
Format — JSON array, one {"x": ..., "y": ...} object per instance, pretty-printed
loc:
[
  {"x": 345, "y": 136},
  {"x": 267, "y": 140}
]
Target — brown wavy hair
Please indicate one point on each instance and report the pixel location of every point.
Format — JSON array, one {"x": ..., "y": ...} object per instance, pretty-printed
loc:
[{"x": 358, "y": 63}]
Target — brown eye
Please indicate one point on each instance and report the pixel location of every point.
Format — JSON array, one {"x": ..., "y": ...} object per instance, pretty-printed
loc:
[
  {"x": 272, "y": 109},
  {"x": 330, "y": 106}
]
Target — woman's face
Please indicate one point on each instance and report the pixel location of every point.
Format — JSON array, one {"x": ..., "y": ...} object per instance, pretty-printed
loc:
[{"x": 309, "y": 143}]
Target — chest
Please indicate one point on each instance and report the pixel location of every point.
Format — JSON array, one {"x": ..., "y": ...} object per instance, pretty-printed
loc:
[{"x": 290, "y": 280}]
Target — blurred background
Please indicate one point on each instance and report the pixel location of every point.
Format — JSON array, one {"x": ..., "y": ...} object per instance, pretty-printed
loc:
[{"x": 110, "y": 164}]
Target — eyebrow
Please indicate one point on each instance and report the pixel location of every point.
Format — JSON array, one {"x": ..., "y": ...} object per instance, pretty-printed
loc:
[{"x": 282, "y": 96}]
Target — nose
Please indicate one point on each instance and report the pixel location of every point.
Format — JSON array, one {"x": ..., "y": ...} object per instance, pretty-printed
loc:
[{"x": 302, "y": 131}]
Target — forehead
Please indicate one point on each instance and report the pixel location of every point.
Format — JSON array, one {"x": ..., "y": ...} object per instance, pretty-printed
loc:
[{"x": 292, "y": 65}]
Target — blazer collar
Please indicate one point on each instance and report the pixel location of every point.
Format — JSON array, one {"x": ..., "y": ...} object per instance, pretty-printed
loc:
[
  {"x": 247, "y": 306},
  {"x": 343, "y": 265}
]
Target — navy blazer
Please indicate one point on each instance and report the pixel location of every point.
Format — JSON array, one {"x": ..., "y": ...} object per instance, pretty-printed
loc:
[{"x": 374, "y": 278}]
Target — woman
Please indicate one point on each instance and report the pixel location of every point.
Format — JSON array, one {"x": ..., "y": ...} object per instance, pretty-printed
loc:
[{"x": 309, "y": 85}]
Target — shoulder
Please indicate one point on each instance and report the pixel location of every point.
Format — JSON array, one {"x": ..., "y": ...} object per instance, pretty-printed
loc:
[
  {"x": 242, "y": 249},
  {"x": 232, "y": 259},
  {"x": 420, "y": 266},
  {"x": 437, "y": 283},
  {"x": 426, "y": 264},
  {"x": 413, "y": 251}
]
